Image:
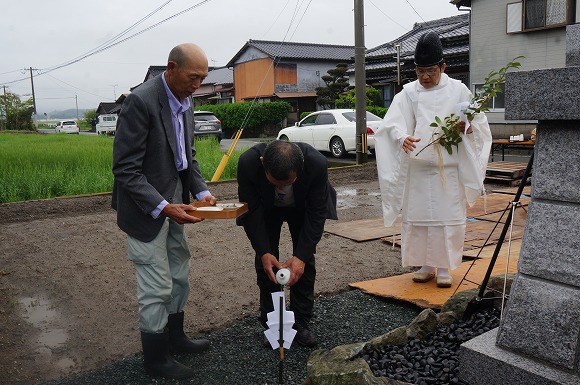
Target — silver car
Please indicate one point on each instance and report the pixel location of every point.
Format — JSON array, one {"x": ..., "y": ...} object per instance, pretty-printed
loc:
[{"x": 207, "y": 124}]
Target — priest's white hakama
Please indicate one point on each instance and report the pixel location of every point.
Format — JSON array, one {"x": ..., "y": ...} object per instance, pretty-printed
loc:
[{"x": 430, "y": 189}]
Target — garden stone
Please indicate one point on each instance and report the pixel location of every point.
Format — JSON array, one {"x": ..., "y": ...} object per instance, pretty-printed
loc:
[{"x": 335, "y": 367}]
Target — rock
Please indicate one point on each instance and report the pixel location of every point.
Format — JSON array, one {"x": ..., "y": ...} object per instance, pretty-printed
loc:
[
  {"x": 446, "y": 318},
  {"x": 423, "y": 324},
  {"x": 496, "y": 282},
  {"x": 458, "y": 303},
  {"x": 396, "y": 336},
  {"x": 336, "y": 367}
]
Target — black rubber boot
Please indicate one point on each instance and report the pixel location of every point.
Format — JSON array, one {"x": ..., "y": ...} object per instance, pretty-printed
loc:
[
  {"x": 156, "y": 358},
  {"x": 178, "y": 341}
]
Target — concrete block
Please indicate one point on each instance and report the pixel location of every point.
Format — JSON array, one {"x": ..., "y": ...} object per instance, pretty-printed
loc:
[
  {"x": 550, "y": 249},
  {"x": 550, "y": 94},
  {"x": 556, "y": 172},
  {"x": 482, "y": 362},
  {"x": 573, "y": 45},
  {"x": 541, "y": 321}
]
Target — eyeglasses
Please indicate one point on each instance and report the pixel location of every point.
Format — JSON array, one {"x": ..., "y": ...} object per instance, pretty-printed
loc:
[{"x": 428, "y": 72}]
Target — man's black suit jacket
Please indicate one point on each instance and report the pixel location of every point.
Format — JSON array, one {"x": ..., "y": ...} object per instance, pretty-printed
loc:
[{"x": 313, "y": 194}]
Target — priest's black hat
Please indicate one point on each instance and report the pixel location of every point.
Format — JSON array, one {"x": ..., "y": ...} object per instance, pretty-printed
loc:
[{"x": 429, "y": 50}]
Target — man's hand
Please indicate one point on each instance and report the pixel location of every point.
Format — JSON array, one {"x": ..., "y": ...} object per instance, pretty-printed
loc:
[
  {"x": 269, "y": 261},
  {"x": 210, "y": 199},
  {"x": 296, "y": 266},
  {"x": 462, "y": 128},
  {"x": 178, "y": 214},
  {"x": 409, "y": 143}
]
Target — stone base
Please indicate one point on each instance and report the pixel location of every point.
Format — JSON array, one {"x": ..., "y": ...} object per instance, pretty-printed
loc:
[{"x": 482, "y": 362}]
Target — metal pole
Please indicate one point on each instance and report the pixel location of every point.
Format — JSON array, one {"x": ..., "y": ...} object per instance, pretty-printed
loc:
[
  {"x": 398, "y": 64},
  {"x": 281, "y": 339},
  {"x": 77, "y": 104},
  {"x": 360, "y": 82}
]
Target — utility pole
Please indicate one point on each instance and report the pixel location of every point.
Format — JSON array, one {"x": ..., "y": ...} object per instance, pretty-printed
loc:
[
  {"x": 5, "y": 109},
  {"x": 77, "y": 104},
  {"x": 114, "y": 91},
  {"x": 33, "y": 97},
  {"x": 360, "y": 83}
]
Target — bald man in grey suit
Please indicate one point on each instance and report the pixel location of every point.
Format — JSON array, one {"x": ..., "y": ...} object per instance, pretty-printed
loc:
[{"x": 155, "y": 171}]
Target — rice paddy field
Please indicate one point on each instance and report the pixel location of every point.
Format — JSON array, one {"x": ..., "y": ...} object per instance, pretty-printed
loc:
[{"x": 41, "y": 166}]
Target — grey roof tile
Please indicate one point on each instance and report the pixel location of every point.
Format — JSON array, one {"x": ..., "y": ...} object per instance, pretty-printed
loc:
[{"x": 296, "y": 51}]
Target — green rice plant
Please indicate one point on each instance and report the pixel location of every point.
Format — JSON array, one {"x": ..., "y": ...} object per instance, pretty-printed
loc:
[
  {"x": 36, "y": 166},
  {"x": 209, "y": 156},
  {"x": 43, "y": 166}
]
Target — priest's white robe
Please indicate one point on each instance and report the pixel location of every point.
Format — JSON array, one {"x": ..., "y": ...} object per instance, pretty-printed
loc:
[{"x": 430, "y": 189}]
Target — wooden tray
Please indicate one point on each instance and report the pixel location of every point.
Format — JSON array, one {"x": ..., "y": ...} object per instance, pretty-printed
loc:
[{"x": 222, "y": 210}]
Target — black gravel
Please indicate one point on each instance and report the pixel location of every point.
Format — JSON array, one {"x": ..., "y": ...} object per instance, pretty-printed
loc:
[
  {"x": 239, "y": 357},
  {"x": 433, "y": 360}
]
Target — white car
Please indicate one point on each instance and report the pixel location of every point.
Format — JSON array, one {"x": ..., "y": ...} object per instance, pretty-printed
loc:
[
  {"x": 67, "y": 126},
  {"x": 331, "y": 130}
]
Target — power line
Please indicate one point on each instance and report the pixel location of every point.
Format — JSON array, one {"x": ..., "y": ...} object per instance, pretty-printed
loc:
[
  {"x": 388, "y": 17},
  {"x": 112, "y": 42}
]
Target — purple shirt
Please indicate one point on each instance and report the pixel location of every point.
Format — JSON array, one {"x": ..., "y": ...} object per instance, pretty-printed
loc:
[{"x": 177, "y": 110}]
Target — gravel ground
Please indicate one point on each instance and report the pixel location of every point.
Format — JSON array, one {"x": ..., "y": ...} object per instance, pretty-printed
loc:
[{"x": 239, "y": 357}]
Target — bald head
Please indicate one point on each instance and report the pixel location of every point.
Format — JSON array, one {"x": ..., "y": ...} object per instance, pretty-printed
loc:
[
  {"x": 186, "y": 51},
  {"x": 187, "y": 67}
]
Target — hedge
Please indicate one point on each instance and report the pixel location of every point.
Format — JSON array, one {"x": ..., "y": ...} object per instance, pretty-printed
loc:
[{"x": 256, "y": 117}]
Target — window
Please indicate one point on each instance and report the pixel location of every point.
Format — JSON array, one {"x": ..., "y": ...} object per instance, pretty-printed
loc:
[
  {"x": 325, "y": 119},
  {"x": 497, "y": 102},
  {"x": 309, "y": 121},
  {"x": 538, "y": 14}
]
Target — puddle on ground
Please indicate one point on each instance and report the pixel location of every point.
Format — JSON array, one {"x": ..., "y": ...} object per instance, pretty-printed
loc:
[
  {"x": 348, "y": 197},
  {"x": 43, "y": 316}
]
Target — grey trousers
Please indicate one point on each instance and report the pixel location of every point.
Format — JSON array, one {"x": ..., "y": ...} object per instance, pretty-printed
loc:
[{"x": 162, "y": 270}]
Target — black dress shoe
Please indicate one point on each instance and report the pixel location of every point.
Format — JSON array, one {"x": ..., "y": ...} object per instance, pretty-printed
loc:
[{"x": 304, "y": 336}]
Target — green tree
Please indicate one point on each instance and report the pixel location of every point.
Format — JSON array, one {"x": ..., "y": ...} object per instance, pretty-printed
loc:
[
  {"x": 17, "y": 114},
  {"x": 348, "y": 100},
  {"x": 373, "y": 101},
  {"x": 90, "y": 117},
  {"x": 336, "y": 83}
]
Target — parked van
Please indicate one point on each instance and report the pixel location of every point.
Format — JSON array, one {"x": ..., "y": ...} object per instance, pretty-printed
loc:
[{"x": 106, "y": 124}]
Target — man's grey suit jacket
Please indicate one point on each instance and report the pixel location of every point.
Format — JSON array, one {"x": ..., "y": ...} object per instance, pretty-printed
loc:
[{"x": 144, "y": 163}]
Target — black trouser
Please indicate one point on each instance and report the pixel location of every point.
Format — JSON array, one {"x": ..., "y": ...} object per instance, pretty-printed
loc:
[{"x": 302, "y": 292}]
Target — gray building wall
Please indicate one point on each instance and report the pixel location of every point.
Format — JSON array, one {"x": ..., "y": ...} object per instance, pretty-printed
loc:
[
  {"x": 491, "y": 48},
  {"x": 251, "y": 53}
]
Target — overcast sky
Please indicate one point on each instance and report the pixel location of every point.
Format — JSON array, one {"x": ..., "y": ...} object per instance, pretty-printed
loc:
[{"x": 46, "y": 34}]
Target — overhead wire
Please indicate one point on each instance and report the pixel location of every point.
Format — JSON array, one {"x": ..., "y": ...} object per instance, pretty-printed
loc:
[
  {"x": 113, "y": 41},
  {"x": 129, "y": 37},
  {"x": 271, "y": 67},
  {"x": 275, "y": 63}
]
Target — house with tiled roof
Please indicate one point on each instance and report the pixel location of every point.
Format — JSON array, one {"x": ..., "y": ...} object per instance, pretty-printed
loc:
[
  {"x": 217, "y": 88},
  {"x": 389, "y": 66},
  {"x": 285, "y": 71}
]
